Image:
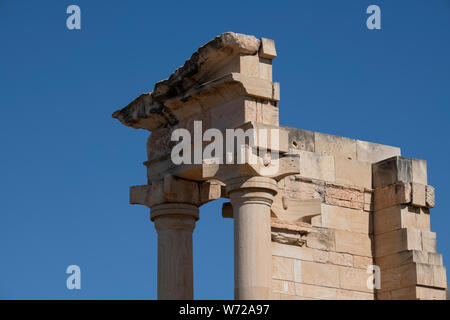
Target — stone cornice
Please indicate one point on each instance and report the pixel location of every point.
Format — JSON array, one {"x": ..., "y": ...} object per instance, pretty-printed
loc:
[{"x": 212, "y": 67}]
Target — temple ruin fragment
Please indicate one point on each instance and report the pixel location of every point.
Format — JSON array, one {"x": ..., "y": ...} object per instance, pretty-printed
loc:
[{"x": 335, "y": 208}]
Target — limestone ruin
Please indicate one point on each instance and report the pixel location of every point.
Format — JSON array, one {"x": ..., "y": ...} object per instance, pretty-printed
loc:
[{"x": 335, "y": 208}]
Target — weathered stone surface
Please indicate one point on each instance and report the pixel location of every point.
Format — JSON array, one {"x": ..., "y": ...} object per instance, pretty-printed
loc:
[
  {"x": 354, "y": 279},
  {"x": 401, "y": 216},
  {"x": 418, "y": 194},
  {"x": 419, "y": 171},
  {"x": 316, "y": 292},
  {"x": 424, "y": 293},
  {"x": 353, "y": 172},
  {"x": 362, "y": 262},
  {"x": 293, "y": 252},
  {"x": 429, "y": 197},
  {"x": 408, "y": 256},
  {"x": 267, "y": 49},
  {"x": 392, "y": 170},
  {"x": 428, "y": 241},
  {"x": 283, "y": 268},
  {"x": 292, "y": 210},
  {"x": 399, "y": 169},
  {"x": 374, "y": 152},
  {"x": 338, "y": 195},
  {"x": 412, "y": 274},
  {"x": 335, "y": 146},
  {"x": 323, "y": 239},
  {"x": 289, "y": 237},
  {"x": 212, "y": 61},
  {"x": 341, "y": 259},
  {"x": 397, "y": 241},
  {"x": 283, "y": 286},
  {"x": 354, "y": 295},
  {"x": 316, "y": 273},
  {"x": 353, "y": 243},
  {"x": 392, "y": 195},
  {"x": 345, "y": 219},
  {"x": 300, "y": 139},
  {"x": 316, "y": 166},
  {"x": 175, "y": 190}
]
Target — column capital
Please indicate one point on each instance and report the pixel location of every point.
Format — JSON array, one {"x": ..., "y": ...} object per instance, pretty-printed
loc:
[
  {"x": 172, "y": 190},
  {"x": 258, "y": 190},
  {"x": 175, "y": 210}
]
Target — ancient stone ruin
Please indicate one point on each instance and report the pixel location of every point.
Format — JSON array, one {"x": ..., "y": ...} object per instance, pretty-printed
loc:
[{"x": 338, "y": 219}]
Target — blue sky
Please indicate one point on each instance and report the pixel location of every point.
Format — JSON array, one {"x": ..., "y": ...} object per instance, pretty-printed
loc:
[{"x": 66, "y": 165}]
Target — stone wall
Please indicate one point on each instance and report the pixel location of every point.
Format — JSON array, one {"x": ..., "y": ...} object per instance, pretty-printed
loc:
[{"x": 372, "y": 211}]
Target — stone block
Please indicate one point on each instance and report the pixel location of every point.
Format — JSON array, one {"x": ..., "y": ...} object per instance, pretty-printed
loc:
[
  {"x": 283, "y": 268},
  {"x": 265, "y": 69},
  {"x": 362, "y": 262},
  {"x": 399, "y": 277},
  {"x": 294, "y": 252},
  {"x": 342, "y": 259},
  {"x": 314, "y": 273},
  {"x": 354, "y": 279},
  {"x": 283, "y": 286},
  {"x": 397, "y": 241},
  {"x": 345, "y": 219},
  {"x": 392, "y": 195},
  {"x": 429, "y": 241},
  {"x": 399, "y": 169},
  {"x": 392, "y": 170},
  {"x": 429, "y": 197},
  {"x": 262, "y": 111},
  {"x": 353, "y": 243},
  {"x": 374, "y": 152},
  {"x": 434, "y": 258},
  {"x": 354, "y": 295},
  {"x": 424, "y": 293},
  {"x": 368, "y": 200},
  {"x": 299, "y": 139},
  {"x": 419, "y": 171},
  {"x": 267, "y": 49},
  {"x": 316, "y": 292},
  {"x": 418, "y": 194},
  {"x": 408, "y": 293},
  {"x": 248, "y": 65},
  {"x": 439, "y": 277},
  {"x": 400, "y": 216},
  {"x": 349, "y": 197},
  {"x": 423, "y": 219},
  {"x": 321, "y": 256},
  {"x": 322, "y": 239},
  {"x": 431, "y": 275},
  {"x": 353, "y": 172},
  {"x": 316, "y": 166},
  {"x": 335, "y": 146}
]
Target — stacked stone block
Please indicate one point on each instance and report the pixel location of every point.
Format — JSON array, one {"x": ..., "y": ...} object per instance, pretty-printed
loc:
[
  {"x": 374, "y": 210},
  {"x": 405, "y": 248}
]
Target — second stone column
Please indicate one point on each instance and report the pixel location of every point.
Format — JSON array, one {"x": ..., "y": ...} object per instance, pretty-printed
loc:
[{"x": 251, "y": 199}]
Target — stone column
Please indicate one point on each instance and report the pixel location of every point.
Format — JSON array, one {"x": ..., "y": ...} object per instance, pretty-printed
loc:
[
  {"x": 175, "y": 223},
  {"x": 251, "y": 199}
]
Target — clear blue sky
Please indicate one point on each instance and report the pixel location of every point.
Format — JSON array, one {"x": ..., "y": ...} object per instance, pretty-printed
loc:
[{"x": 66, "y": 165}]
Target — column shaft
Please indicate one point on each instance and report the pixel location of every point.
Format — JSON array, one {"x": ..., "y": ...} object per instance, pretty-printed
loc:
[
  {"x": 251, "y": 200},
  {"x": 175, "y": 224}
]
